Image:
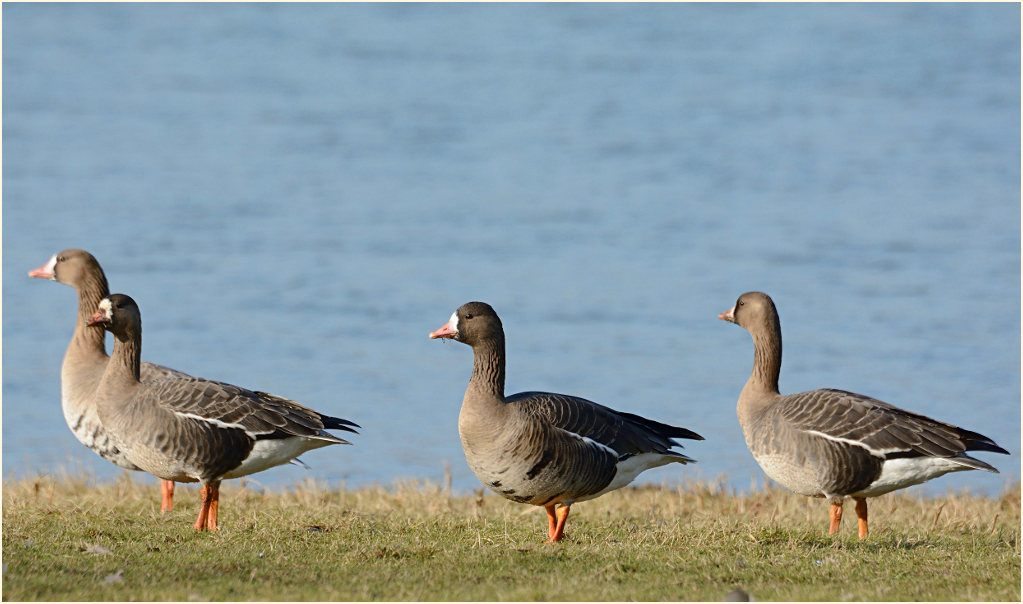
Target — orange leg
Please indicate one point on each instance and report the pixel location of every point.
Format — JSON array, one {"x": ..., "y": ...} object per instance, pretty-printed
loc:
[
  {"x": 210, "y": 496},
  {"x": 836, "y": 517},
  {"x": 861, "y": 515},
  {"x": 558, "y": 530},
  {"x": 211, "y": 520},
  {"x": 552, "y": 521},
  {"x": 166, "y": 495},
  {"x": 204, "y": 508}
]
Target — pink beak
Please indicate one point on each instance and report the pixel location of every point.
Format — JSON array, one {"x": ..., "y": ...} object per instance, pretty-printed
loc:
[
  {"x": 729, "y": 315},
  {"x": 444, "y": 332},
  {"x": 97, "y": 318},
  {"x": 40, "y": 273}
]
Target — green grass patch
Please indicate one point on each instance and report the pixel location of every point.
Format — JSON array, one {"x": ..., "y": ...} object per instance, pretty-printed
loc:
[{"x": 68, "y": 539}]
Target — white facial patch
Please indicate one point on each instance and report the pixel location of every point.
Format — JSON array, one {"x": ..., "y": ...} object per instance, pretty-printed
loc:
[
  {"x": 52, "y": 264},
  {"x": 453, "y": 322},
  {"x": 107, "y": 308}
]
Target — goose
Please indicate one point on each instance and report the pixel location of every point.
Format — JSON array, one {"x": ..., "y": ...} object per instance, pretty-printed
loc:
[
  {"x": 86, "y": 358},
  {"x": 836, "y": 444},
  {"x": 545, "y": 449},
  {"x": 188, "y": 429}
]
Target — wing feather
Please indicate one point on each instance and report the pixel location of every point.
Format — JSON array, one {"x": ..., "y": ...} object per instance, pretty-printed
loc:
[
  {"x": 879, "y": 427},
  {"x": 624, "y": 433},
  {"x": 260, "y": 415}
]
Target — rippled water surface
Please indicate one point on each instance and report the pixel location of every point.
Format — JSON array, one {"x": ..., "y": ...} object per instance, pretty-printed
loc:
[{"x": 297, "y": 194}]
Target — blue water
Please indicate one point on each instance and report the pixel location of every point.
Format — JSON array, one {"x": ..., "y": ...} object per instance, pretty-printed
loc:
[{"x": 297, "y": 194}]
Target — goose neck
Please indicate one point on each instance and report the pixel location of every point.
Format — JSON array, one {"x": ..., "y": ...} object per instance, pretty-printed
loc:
[
  {"x": 766, "y": 360},
  {"x": 125, "y": 363},
  {"x": 488, "y": 369},
  {"x": 89, "y": 339}
]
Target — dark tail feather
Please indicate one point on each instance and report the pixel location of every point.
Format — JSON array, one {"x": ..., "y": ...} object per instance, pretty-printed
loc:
[
  {"x": 336, "y": 423},
  {"x": 979, "y": 442},
  {"x": 662, "y": 429},
  {"x": 985, "y": 446}
]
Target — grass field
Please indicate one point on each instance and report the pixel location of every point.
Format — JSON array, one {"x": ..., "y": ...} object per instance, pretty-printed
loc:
[{"x": 64, "y": 539}]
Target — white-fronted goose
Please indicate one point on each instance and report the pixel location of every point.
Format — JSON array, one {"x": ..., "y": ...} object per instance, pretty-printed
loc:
[
  {"x": 189, "y": 429},
  {"x": 546, "y": 449},
  {"x": 86, "y": 358},
  {"x": 836, "y": 444}
]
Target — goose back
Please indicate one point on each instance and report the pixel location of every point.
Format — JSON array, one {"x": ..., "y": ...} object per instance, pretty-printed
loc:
[{"x": 184, "y": 428}]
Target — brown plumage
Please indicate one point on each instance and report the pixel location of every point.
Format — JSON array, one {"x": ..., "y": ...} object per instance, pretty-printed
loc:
[
  {"x": 190, "y": 429},
  {"x": 836, "y": 444},
  {"x": 86, "y": 358},
  {"x": 541, "y": 448}
]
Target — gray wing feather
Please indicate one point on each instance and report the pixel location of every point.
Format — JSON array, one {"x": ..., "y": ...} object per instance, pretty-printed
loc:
[
  {"x": 624, "y": 433},
  {"x": 879, "y": 427},
  {"x": 257, "y": 414},
  {"x": 152, "y": 372}
]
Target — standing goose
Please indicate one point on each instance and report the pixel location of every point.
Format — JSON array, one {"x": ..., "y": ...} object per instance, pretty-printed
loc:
[
  {"x": 546, "y": 449},
  {"x": 836, "y": 444},
  {"x": 86, "y": 358},
  {"x": 189, "y": 429}
]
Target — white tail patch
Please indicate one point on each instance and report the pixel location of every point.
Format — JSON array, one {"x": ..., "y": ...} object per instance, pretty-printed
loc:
[
  {"x": 273, "y": 452},
  {"x": 908, "y": 471},
  {"x": 629, "y": 468}
]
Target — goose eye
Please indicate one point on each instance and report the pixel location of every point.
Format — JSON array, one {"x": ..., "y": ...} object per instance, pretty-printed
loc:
[{"x": 468, "y": 315}]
